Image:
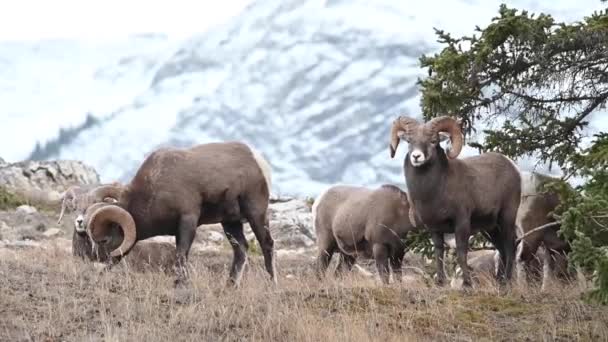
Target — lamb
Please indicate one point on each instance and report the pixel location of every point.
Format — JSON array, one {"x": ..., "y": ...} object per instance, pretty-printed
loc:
[
  {"x": 534, "y": 212},
  {"x": 357, "y": 221},
  {"x": 144, "y": 255},
  {"x": 176, "y": 190},
  {"x": 79, "y": 197},
  {"x": 460, "y": 196},
  {"x": 483, "y": 264}
]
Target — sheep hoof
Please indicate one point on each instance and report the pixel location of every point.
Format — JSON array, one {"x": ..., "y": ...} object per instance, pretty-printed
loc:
[
  {"x": 439, "y": 281},
  {"x": 231, "y": 283},
  {"x": 181, "y": 282}
]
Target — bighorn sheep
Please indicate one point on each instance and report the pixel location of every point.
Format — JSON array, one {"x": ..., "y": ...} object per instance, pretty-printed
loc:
[
  {"x": 538, "y": 228},
  {"x": 357, "y": 221},
  {"x": 79, "y": 197},
  {"x": 176, "y": 190},
  {"x": 460, "y": 196}
]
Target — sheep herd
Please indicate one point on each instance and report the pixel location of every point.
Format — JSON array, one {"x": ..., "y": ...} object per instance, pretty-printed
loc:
[{"x": 176, "y": 190}]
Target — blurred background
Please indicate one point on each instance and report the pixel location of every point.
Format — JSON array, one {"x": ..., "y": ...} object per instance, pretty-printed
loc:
[{"x": 313, "y": 85}]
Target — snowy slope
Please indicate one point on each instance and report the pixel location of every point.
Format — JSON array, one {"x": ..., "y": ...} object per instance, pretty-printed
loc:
[
  {"x": 49, "y": 84},
  {"x": 312, "y": 84}
]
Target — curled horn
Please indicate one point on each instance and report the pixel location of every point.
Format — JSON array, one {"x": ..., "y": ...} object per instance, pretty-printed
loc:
[
  {"x": 452, "y": 127},
  {"x": 100, "y": 193},
  {"x": 101, "y": 221},
  {"x": 402, "y": 126}
]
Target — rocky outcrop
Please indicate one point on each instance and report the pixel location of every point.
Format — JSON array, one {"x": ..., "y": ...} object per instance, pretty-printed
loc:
[
  {"x": 291, "y": 223},
  {"x": 43, "y": 181}
]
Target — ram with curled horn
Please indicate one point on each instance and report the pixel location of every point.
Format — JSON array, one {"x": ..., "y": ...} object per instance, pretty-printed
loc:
[
  {"x": 176, "y": 190},
  {"x": 455, "y": 195}
]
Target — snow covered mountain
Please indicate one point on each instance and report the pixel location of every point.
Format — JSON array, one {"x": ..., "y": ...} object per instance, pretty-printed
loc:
[{"x": 312, "y": 84}]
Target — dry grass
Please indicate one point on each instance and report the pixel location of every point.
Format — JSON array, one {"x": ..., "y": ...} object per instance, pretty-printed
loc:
[{"x": 45, "y": 295}]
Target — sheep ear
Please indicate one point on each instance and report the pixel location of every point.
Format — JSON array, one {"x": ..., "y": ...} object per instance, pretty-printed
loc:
[
  {"x": 443, "y": 137},
  {"x": 402, "y": 135}
]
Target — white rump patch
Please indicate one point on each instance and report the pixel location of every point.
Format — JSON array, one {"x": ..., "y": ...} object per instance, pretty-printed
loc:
[
  {"x": 315, "y": 205},
  {"x": 264, "y": 166}
]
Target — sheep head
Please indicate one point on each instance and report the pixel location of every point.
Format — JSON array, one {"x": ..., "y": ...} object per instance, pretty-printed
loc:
[
  {"x": 102, "y": 224},
  {"x": 423, "y": 139},
  {"x": 81, "y": 222}
]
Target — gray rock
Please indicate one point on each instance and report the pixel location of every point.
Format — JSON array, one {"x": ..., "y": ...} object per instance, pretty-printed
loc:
[
  {"x": 215, "y": 236},
  {"x": 26, "y": 209},
  {"x": 19, "y": 244},
  {"x": 44, "y": 180},
  {"x": 291, "y": 224},
  {"x": 53, "y": 232}
]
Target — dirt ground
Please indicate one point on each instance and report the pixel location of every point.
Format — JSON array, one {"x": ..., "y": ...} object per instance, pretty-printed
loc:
[{"x": 47, "y": 295}]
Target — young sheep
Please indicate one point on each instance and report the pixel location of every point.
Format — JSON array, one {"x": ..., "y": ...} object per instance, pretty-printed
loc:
[
  {"x": 79, "y": 197},
  {"x": 483, "y": 264},
  {"x": 460, "y": 196},
  {"x": 176, "y": 190},
  {"x": 357, "y": 221},
  {"x": 534, "y": 212}
]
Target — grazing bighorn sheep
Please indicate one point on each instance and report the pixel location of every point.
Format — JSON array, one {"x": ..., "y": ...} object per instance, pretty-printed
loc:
[
  {"x": 534, "y": 212},
  {"x": 358, "y": 221},
  {"x": 176, "y": 190},
  {"x": 460, "y": 196}
]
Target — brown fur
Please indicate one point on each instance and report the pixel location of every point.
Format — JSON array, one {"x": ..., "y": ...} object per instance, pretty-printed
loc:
[
  {"x": 176, "y": 190},
  {"x": 361, "y": 222},
  {"x": 462, "y": 196}
]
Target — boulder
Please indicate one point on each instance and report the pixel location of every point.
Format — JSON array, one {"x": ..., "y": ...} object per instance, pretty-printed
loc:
[
  {"x": 45, "y": 179},
  {"x": 291, "y": 223},
  {"x": 26, "y": 209},
  {"x": 52, "y": 232}
]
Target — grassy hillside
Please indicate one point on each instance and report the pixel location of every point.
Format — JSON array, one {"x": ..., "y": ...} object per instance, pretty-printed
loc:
[{"x": 45, "y": 295}]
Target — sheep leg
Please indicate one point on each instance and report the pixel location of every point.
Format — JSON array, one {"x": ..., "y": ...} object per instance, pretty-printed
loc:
[
  {"x": 559, "y": 249},
  {"x": 525, "y": 261},
  {"x": 462, "y": 233},
  {"x": 326, "y": 245},
  {"x": 345, "y": 264},
  {"x": 507, "y": 245},
  {"x": 396, "y": 264},
  {"x": 381, "y": 254},
  {"x": 183, "y": 241},
  {"x": 261, "y": 230},
  {"x": 548, "y": 269},
  {"x": 234, "y": 234},
  {"x": 438, "y": 246}
]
